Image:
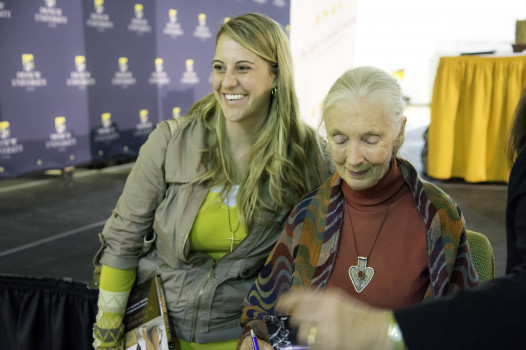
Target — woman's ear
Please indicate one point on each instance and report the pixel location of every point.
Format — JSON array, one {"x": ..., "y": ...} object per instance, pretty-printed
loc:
[
  {"x": 400, "y": 138},
  {"x": 402, "y": 127}
]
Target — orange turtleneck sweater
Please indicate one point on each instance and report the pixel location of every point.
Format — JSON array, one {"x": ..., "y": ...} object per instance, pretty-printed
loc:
[{"x": 399, "y": 256}]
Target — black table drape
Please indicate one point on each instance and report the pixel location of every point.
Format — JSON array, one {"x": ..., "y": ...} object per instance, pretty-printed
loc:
[{"x": 46, "y": 313}]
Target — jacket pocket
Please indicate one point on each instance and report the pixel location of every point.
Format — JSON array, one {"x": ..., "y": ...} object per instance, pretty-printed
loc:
[
  {"x": 174, "y": 282},
  {"x": 229, "y": 297}
]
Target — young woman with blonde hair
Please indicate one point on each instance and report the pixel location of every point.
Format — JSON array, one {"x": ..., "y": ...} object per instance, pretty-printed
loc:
[{"x": 210, "y": 192}]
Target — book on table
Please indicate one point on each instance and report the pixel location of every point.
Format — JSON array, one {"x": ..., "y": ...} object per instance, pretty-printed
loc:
[{"x": 146, "y": 322}]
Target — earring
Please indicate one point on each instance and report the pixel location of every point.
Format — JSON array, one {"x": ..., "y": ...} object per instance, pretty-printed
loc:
[{"x": 273, "y": 91}]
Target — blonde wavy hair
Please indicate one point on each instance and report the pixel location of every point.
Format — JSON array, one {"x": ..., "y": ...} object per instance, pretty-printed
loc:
[{"x": 287, "y": 158}]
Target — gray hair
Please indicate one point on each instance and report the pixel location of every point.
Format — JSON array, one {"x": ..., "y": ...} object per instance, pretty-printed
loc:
[{"x": 370, "y": 82}]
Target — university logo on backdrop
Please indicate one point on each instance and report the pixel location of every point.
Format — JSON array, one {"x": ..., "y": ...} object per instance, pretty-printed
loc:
[
  {"x": 176, "y": 112},
  {"x": 80, "y": 77},
  {"x": 189, "y": 76},
  {"x": 50, "y": 14},
  {"x": 139, "y": 24},
  {"x": 202, "y": 31},
  {"x": 107, "y": 132},
  {"x": 4, "y": 130},
  {"x": 144, "y": 127},
  {"x": 159, "y": 76},
  {"x": 123, "y": 77},
  {"x": 60, "y": 125},
  {"x": 28, "y": 62},
  {"x": 4, "y": 13},
  {"x": 144, "y": 120},
  {"x": 98, "y": 5},
  {"x": 105, "y": 119},
  {"x": 123, "y": 64},
  {"x": 61, "y": 139},
  {"x": 173, "y": 27},
  {"x": 8, "y": 145},
  {"x": 98, "y": 19},
  {"x": 28, "y": 77}
]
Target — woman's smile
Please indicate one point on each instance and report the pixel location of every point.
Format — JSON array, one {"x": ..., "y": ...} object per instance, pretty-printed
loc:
[{"x": 235, "y": 98}]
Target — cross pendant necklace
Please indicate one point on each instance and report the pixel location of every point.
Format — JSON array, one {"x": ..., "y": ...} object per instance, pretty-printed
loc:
[
  {"x": 361, "y": 274},
  {"x": 233, "y": 238}
]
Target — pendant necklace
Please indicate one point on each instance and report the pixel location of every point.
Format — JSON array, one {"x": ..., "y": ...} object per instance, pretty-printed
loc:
[
  {"x": 361, "y": 274},
  {"x": 233, "y": 238}
]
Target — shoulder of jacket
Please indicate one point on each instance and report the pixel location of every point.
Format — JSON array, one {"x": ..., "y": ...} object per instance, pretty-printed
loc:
[{"x": 177, "y": 123}]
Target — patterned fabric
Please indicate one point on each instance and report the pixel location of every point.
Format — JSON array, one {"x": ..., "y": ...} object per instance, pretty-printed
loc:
[
  {"x": 108, "y": 338},
  {"x": 306, "y": 250},
  {"x": 108, "y": 330},
  {"x": 113, "y": 302}
]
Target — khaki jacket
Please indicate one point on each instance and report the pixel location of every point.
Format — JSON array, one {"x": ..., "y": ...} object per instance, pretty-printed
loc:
[{"x": 155, "y": 213}]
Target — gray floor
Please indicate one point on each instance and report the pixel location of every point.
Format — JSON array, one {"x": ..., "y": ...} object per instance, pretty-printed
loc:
[
  {"x": 49, "y": 226},
  {"x": 483, "y": 206}
]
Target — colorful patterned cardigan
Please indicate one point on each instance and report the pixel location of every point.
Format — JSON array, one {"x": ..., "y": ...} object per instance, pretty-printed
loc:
[{"x": 305, "y": 252}]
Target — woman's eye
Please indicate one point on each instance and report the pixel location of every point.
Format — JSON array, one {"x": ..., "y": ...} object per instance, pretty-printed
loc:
[
  {"x": 243, "y": 68},
  {"x": 218, "y": 67},
  {"x": 339, "y": 139},
  {"x": 372, "y": 139}
]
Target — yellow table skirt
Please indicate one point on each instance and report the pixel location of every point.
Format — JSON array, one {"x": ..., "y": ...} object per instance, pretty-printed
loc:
[{"x": 472, "y": 107}]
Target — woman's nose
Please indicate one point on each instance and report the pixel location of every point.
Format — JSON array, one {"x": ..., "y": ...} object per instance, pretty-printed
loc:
[
  {"x": 354, "y": 154},
  {"x": 229, "y": 79}
]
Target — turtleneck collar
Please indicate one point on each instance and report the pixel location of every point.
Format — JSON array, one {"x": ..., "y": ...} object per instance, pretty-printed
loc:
[{"x": 379, "y": 193}]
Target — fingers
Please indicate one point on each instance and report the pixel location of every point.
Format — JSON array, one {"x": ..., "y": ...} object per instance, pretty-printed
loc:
[
  {"x": 305, "y": 310},
  {"x": 298, "y": 303},
  {"x": 331, "y": 319},
  {"x": 307, "y": 334},
  {"x": 247, "y": 344},
  {"x": 263, "y": 345}
]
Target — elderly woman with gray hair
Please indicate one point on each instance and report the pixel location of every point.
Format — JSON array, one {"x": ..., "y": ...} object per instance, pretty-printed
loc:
[{"x": 375, "y": 230}]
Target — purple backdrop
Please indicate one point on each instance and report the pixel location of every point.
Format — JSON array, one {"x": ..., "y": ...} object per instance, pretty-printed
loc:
[{"x": 87, "y": 81}]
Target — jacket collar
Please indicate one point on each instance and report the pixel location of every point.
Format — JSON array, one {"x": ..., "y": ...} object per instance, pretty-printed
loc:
[{"x": 184, "y": 147}]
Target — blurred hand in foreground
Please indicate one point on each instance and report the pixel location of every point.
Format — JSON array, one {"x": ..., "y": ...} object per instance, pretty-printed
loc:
[{"x": 333, "y": 320}]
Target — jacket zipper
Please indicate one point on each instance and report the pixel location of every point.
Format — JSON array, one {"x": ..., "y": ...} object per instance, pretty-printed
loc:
[
  {"x": 198, "y": 303},
  {"x": 184, "y": 214}
]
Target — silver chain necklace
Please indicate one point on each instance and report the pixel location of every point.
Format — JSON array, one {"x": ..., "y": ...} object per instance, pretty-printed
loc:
[
  {"x": 361, "y": 274},
  {"x": 233, "y": 238}
]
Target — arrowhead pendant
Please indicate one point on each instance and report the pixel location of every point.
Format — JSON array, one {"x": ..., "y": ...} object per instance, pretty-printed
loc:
[{"x": 361, "y": 275}]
